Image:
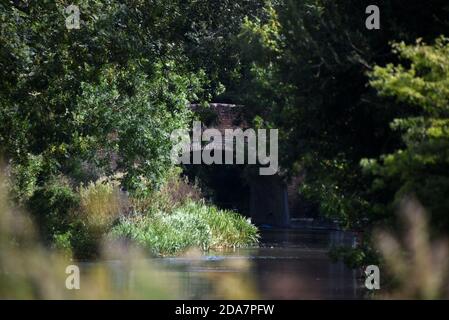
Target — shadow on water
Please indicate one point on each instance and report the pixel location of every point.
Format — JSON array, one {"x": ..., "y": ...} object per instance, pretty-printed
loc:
[{"x": 289, "y": 264}]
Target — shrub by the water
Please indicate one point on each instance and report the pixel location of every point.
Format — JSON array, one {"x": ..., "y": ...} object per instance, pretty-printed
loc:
[
  {"x": 193, "y": 224},
  {"x": 52, "y": 206},
  {"x": 100, "y": 205},
  {"x": 168, "y": 220},
  {"x": 176, "y": 191}
]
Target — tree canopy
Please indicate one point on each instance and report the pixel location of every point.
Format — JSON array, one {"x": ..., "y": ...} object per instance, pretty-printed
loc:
[{"x": 362, "y": 114}]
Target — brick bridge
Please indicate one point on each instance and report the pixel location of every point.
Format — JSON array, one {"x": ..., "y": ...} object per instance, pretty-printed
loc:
[{"x": 271, "y": 199}]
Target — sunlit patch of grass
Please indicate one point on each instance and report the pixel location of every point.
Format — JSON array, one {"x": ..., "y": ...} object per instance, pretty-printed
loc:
[{"x": 193, "y": 224}]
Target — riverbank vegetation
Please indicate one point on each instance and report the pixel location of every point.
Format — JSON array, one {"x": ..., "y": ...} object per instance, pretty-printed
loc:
[
  {"x": 32, "y": 270},
  {"x": 86, "y": 114},
  {"x": 193, "y": 224},
  {"x": 168, "y": 221},
  {"x": 363, "y": 113}
]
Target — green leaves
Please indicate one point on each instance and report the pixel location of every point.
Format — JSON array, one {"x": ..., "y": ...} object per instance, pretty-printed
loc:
[
  {"x": 425, "y": 83},
  {"x": 193, "y": 224},
  {"x": 107, "y": 94},
  {"x": 422, "y": 166},
  {"x": 131, "y": 115}
]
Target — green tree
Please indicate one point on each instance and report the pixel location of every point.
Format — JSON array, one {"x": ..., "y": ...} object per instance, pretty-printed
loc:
[
  {"x": 420, "y": 166},
  {"x": 116, "y": 86},
  {"x": 307, "y": 65}
]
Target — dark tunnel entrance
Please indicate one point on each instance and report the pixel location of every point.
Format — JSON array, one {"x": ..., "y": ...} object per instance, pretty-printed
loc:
[{"x": 224, "y": 185}]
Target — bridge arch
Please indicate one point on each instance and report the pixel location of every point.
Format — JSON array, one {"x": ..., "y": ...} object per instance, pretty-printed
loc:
[{"x": 268, "y": 198}]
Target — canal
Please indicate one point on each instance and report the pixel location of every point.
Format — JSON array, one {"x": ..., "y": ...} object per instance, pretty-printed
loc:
[{"x": 289, "y": 264}]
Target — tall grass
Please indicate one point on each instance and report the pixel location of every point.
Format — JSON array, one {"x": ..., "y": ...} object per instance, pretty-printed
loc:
[
  {"x": 176, "y": 191},
  {"x": 30, "y": 270},
  {"x": 417, "y": 266},
  {"x": 100, "y": 203},
  {"x": 175, "y": 218},
  {"x": 194, "y": 224}
]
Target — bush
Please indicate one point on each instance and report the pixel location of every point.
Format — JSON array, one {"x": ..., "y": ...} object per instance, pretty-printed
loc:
[
  {"x": 165, "y": 234},
  {"x": 62, "y": 242},
  {"x": 52, "y": 206},
  {"x": 29, "y": 270},
  {"x": 193, "y": 224},
  {"x": 100, "y": 205},
  {"x": 175, "y": 192},
  {"x": 25, "y": 177}
]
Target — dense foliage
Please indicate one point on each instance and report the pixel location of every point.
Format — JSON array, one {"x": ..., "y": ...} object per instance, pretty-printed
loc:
[
  {"x": 101, "y": 101},
  {"x": 362, "y": 113},
  {"x": 190, "y": 225},
  {"x": 315, "y": 71},
  {"x": 420, "y": 165},
  {"x": 111, "y": 90}
]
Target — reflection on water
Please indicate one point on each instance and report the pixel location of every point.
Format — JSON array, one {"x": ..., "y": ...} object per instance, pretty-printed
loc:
[{"x": 289, "y": 264}]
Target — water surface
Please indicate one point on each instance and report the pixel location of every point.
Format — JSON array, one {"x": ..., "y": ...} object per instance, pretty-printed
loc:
[{"x": 289, "y": 264}]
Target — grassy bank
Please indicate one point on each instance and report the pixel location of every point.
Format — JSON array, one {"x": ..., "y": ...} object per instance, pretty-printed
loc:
[
  {"x": 169, "y": 220},
  {"x": 193, "y": 224},
  {"x": 29, "y": 269}
]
